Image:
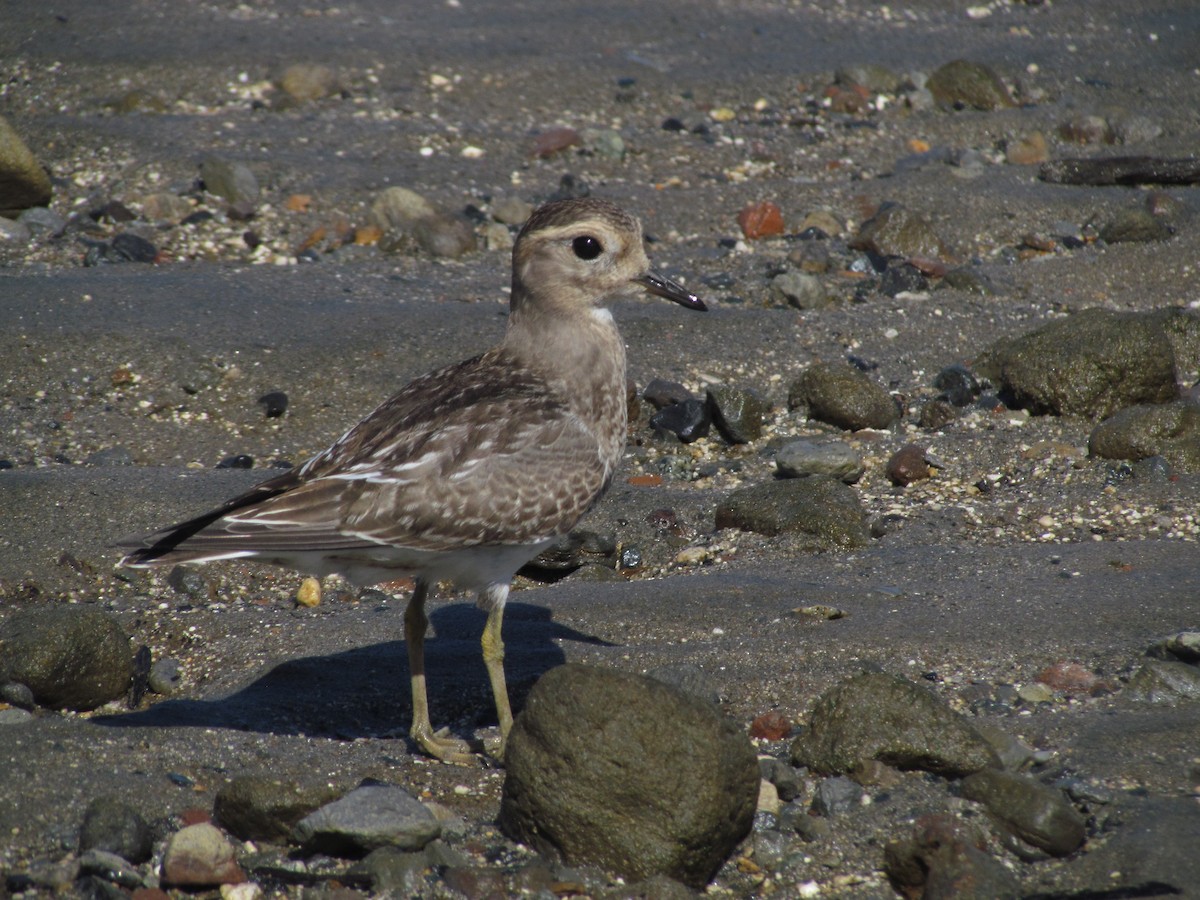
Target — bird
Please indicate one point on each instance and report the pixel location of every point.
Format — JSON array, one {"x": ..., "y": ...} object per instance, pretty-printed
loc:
[{"x": 472, "y": 470}]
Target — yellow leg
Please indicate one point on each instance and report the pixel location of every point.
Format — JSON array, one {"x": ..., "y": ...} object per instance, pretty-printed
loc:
[
  {"x": 493, "y": 659},
  {"x": 436, "y": 745}
]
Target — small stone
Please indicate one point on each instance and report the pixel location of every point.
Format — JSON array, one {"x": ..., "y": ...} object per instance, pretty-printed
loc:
[
  {"x": 788, "y": 781},
  {"x": 1035, "y": 693},
  {"x": 23, "y": 182},
  {"x": 770, "y": 726},
  {"x": 111, "y": 825},
  {"x": 371, "y": 816},
  {"x": 303, "y": 82},
  {"x": 902, "y": 279},
  {"x": 689, "y": 421},
  {"x": 761, "y": 220},
  {"x": 17, "y": 694},
  {"x": 1184, "y": 647},
  {"x": 165, "y": 208},
  {"x": 511, "y": 210},
  {"x": 1071, "y": 678},
  {"x": 936, "y": 414},
  {"x": 895, "y": 230},
  {"x": 392, "y": 872},
  {"x": 109, "y": 456},
  {"x": 1164, "y": 682},
  {"x": 263, "y": 808},
  {"x": 190, "y": 582},
  {"x": 237, "y": 461},
  {"x": 962, "y": 84},
  {"x": 232, "y": 181},
  {"x": 801, "y": 291},
  {"x": 43, "y": 222},
  {"x": 835, "y": 796},
  {"x": 444, "y": 236},
  {"x": 308, "y": 594},
  {"x": 200, "y": 856},
  {"x": 825, "y": 510},
  {"x": 1037, "y": 814},
  {"x": 606, "y": 143},
  {"x": 13, "y": 232},
  {"x": 659, "y": 393},
  {"x": 274, "y": 404},
  {"x": 837, "y": 459},
  {"x": 1085, "y": 129},
  {"x": 131, "y": 247},
  {"x": 555, "y": 140},
  {"x": 69, "y": 656},
  {"x": 1029, "y": 150},
  {"x": 1135, "y": 226},
  {"x": 957, "y": 385},
  {"x": 109, "y": 867},
  {"x": 165, "y": 676},
  {"x": 738, "y": 413},
  {"x": 843, "y": 396},
  {"x": 908, "y": 464}
]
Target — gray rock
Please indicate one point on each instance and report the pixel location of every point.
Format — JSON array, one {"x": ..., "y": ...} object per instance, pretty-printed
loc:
[
  {"x": 14, "y": 232},
  {"x": 42, "y": 221},
  {"x": 164, "y": 207},
  {"x": 1090, "y": 364},
  {"x": 942, "y": 860},
  {"x": 110, "y": 867},
  {"x": 1164, "y": 682},
  {"x": 819, "y": 507},
  {"x": 70, "y": 657},
  {"x": 788, "y": 781},
  {"x": 1039, "y": 815},
  {"x": 443, "y": 235},
  {"x": 200, "y": 856},
  {"x": 624, "y": 772},
  {"x": 232, "y": 181},
  {"x": 1134, "y": 226},
  {"x": 376, "y": 815},
  {"x": 879, "y": 716},
  {"x": 511, "y": 210},
  {"x": 110, "y": 456},
  {"x": 963, "y": 84},
  {"x": 738, "y": 413},
  {"x": 837, "y": 459},
  {"x": 837, "y": 795},
  {"x": 261, "y": 808},
  {"x": 841, "y": 395},
  {"x": 1182, "y": 647},
  {"x": 392, "y": 872},
  {"x": 800, "y": 290},
  {"x": 165, "y": 676},
  {"x": 687, "y": 678},
  {"x": 397, "y": 208},
  {"x": 895, "y": 230},
  {"x": 15, "y": 716},
  {"x": 113, "y": 826},
  {"x": 605, "y": 143},
  {"x": 23, "y": 183},
  {"x": 874, "y": 77},
  {"x": 19, "y": 695},
  {"x": 1171, "y": 430}
]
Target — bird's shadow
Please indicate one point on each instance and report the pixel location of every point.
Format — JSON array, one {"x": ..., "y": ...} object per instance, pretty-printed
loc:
[{"x": 364, "y": 693}]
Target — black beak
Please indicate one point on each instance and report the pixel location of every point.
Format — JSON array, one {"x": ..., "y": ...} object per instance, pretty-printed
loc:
[{"x": 665, "y": 287}]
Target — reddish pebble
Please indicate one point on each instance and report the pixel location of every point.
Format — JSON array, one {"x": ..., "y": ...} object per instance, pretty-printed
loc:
[
  {"x": 908, "y": 464},
  {"x": 1070, "y": 678},
  {"x": 645, "y": 480},
  {"x": 760, "y": 220},
  {"x": 770, "y": 726},
  {"x": 194, "y": 816},
  {"x": 554, "y": 140}
]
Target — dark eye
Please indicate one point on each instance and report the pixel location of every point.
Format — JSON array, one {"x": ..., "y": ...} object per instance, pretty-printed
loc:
[{"x": 586, "y": 247}]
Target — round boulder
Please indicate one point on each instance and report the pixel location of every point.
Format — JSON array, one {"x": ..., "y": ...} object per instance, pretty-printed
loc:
[{"x": 629, "y": 774}]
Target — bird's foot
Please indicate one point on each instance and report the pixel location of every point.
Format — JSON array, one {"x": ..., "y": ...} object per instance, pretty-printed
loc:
[{"x": 447, "y": 749}]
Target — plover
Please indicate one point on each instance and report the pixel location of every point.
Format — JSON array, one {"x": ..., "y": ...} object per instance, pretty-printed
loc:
[{"x": 472, "y": 470}]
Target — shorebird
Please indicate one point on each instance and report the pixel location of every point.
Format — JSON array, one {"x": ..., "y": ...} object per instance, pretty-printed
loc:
[{"x": 472, "y": 470}]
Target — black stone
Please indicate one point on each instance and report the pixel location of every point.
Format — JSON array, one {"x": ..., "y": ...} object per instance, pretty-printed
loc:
[
  {"x": 688, "y": 421},
  {"x": 274, "y": 404}
]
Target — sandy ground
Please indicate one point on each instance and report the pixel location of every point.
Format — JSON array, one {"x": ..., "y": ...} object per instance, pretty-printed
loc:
[{"x": 1060, "y": 562}]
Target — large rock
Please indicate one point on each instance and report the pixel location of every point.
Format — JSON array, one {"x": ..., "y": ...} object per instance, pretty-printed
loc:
[
  {"x": 895, "y": 230},
  {"x": 627, "y": 773},
  {"x": 71, "y": 657},
  {"x": 1090, "y": 364},
  {"x": 1039, "y": 815},
  {"x": 1171, "y": 431},
  {"x": 965, "y": 84},
  {"x": 369, "y": 817},
  {"x": 23, "y": 183},
  {"x": 841, "y": 395},
  {"x": 883, "y": 717},
  {"x": 818, "y": 506}
]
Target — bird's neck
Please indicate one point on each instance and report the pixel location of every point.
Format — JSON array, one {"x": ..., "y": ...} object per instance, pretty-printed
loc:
[{"x": 581, "y": 357}]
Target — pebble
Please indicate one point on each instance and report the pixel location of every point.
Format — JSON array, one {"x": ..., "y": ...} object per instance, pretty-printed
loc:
[
  {"x": 200, "y": 856},
  {"x": 397, "y": 208},
  {"x": 737, "y": 412},
  {"x": 114, "y": 826},
  {"x": 374, "y": 815},
  {"x": 14, "y": 232},
  {"x": 17, "y": 694},
  {"x": 818, "y": 507},
  {"x": 1164, "y": 682},
  {"x": 1134, "y": 226},
  {"x": 879, "y": 716},
  {"x": 896, "y": 230},
  {"x": 958, "y": 385},
  {"x": 584, "y": 730},
  {"x": 43, "y": 222},
  {"x": 555, "y": 140},
  {"x": 165, "y": 676},
  {"x": 232, "y": 181},
  {"x": 837, "y": 459},
  {"x": 1029, "y": 150},
  {"x": 274, "y": 404},
  {"x": 165, "y": 208},
  {"x": 23, "y": 181},
  {"x": 110, "y": 867},
  {"x": 1039, "y": 815},
  {"x": 842, "y": 395},
  {"x": 801, "y": 290},
  {"x": 760, "y": 220},
  {"x": 962, "y": 84},
  {"x": 835, "y": 796},
  {"x": 1183, "y": 646},
  {"x": 511, "y": 210},
  {"x": 444, "y": 236},
  {"x": 689, "y": 421},
  {"x": 1086, "y": 129},
  {"x": 268, "y": 808},
  {"x": 770, "y": 726},
  {"x": 908, "y": 464},
  {"x": 303, "y": 82},
  {"x": 659, "y": 393},
  {"x": 69, "y": 656}
]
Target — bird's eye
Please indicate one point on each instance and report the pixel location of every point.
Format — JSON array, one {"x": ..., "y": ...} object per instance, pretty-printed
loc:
[{"x": 586, "y": 247}]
